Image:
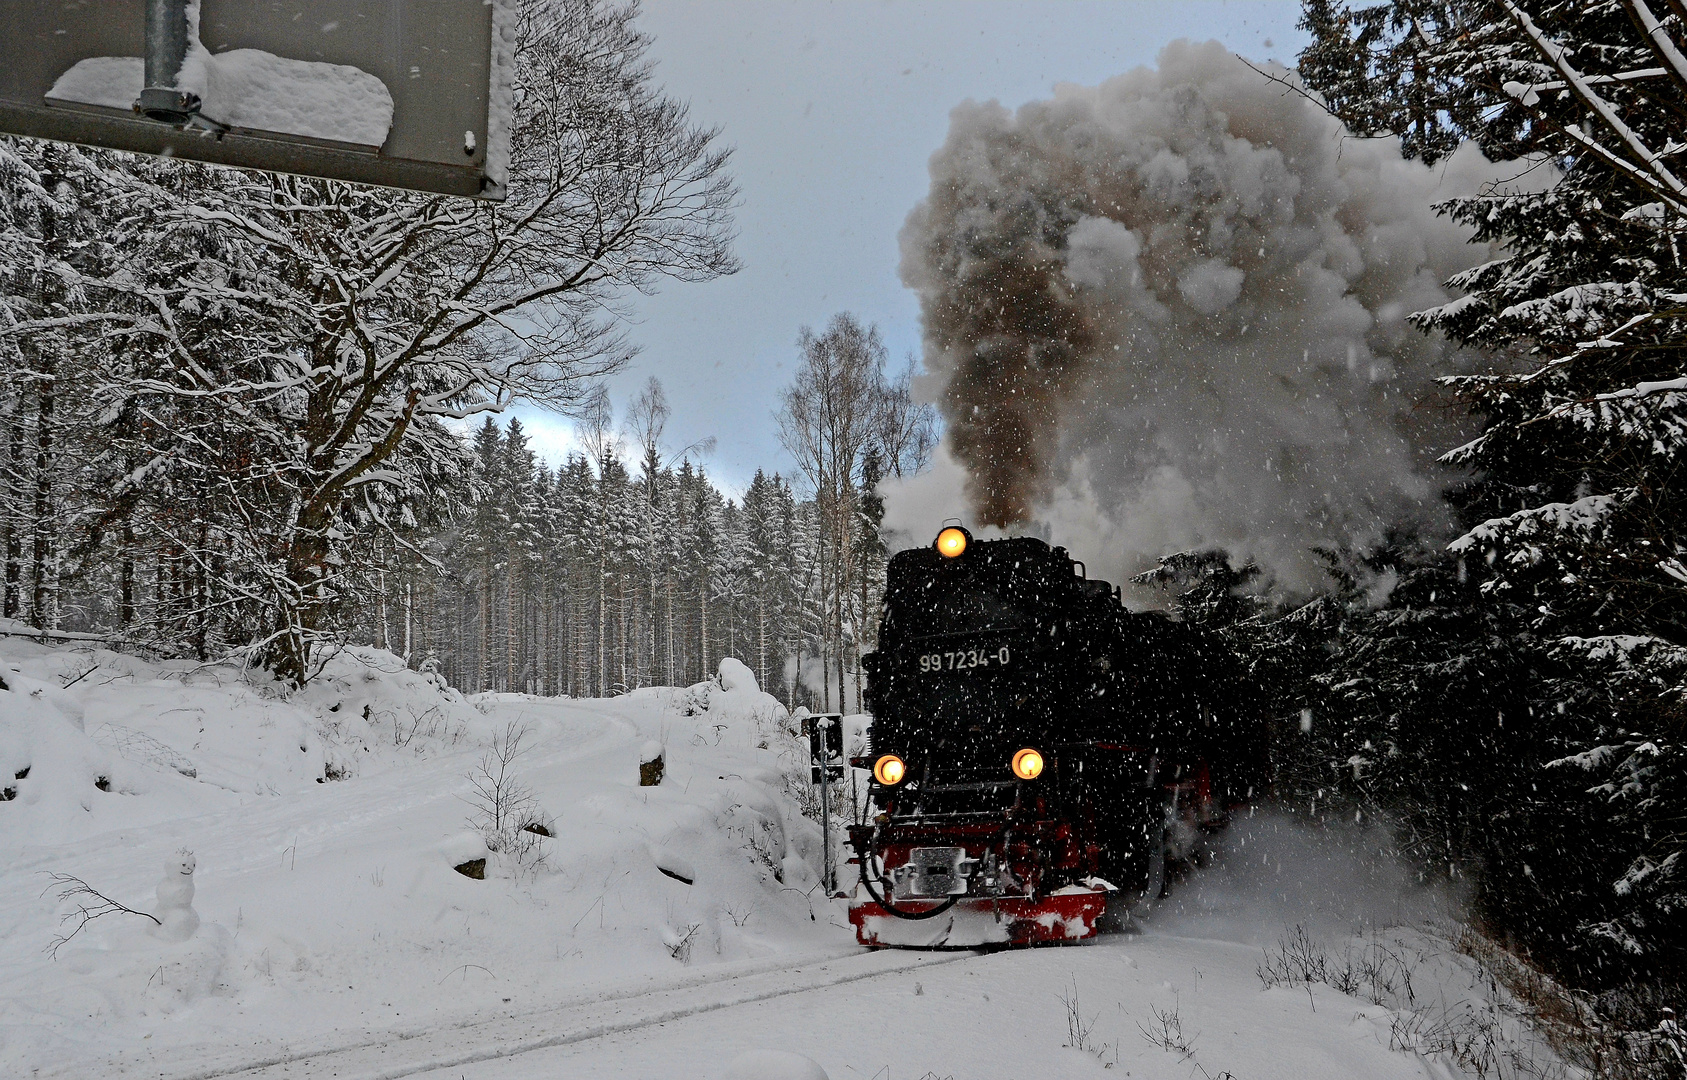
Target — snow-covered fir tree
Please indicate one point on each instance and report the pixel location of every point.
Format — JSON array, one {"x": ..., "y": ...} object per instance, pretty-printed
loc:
[{"x": 1525, "y": 692}]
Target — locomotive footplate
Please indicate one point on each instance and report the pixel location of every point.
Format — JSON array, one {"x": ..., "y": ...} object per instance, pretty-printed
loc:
[{"x": 1066, "y": 915}]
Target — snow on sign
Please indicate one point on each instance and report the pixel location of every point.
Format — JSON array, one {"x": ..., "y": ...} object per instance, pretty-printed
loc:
[{"x": 399, "y": 93}]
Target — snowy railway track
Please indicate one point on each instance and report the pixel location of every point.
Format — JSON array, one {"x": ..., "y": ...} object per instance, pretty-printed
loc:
[{"x": 397, "y": 1054}]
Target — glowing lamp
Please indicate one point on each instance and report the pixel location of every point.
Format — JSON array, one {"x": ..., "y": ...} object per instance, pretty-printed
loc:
[
  {"x": 952, "y": 541},
  {"x": 1028, "y": 764},
  {"x": 889, "y": 770}
]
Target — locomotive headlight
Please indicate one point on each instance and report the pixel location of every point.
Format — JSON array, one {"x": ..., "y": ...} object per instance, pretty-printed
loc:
[
  {"x": 889, "y": 770},
  {"x": 1028, "y": 764},
  {"x": 952, "y": 541}
]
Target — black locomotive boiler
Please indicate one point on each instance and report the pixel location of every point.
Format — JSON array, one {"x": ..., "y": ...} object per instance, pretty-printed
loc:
[{"x": 1036, "y": 749}]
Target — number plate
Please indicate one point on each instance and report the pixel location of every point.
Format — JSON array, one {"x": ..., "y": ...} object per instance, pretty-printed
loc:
[
  {"x": 965, "y": 660},
  {"x": 932, "y": 872}
]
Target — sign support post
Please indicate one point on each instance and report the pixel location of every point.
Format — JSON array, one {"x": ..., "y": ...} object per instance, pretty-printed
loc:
[
  {"x": 826, "y": 816},
  {"x": 825, "y": 761},
  {"x": 166, "y": 50}
]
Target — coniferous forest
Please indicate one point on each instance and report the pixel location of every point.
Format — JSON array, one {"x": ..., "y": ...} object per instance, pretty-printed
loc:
[
  {"x": 1516, "y": 707},
  {"x": 256, "y": 415},
  {"x": 623, "y": 567}
]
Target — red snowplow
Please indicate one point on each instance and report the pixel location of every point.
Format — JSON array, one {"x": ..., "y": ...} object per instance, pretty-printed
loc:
[{"x": 970, "y": 884}]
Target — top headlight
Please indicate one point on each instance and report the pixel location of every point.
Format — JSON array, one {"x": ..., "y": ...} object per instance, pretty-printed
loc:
[{"x": 952, "y": 541}]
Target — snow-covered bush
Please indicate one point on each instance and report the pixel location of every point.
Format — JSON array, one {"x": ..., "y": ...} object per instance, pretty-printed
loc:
[{"x": 507, "y": 813}]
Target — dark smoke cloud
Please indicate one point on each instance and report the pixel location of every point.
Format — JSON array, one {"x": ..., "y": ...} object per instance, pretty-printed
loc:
[{"x": 1169, "y": 312}]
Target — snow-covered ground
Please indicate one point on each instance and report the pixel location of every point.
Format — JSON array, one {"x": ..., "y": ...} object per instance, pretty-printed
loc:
[{"x": 667, "y": 931}]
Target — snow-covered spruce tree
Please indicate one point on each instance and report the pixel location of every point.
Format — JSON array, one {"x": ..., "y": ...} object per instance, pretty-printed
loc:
[
  {"x": 350, "y": 322},
  {"x": 1578, "y": 543},
  {"x": 1356, "y": 49},
  {"x": 50, "y": 234}
]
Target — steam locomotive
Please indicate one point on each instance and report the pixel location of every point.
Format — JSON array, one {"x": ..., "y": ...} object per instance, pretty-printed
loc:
[{"x": 1038, "y": 751}]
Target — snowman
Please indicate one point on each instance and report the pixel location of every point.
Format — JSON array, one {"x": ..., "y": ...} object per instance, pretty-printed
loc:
[{"x": 177, "y": 920}]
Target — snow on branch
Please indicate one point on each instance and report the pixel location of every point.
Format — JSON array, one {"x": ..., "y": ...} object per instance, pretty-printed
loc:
[
  {"x": 1529, "y": 93},
  {"x": 1585, "y": 516},
  {"x": 1587, "y": 307},
  {"x": 1558, "y": 56},
  {"x": 1660, "y": 41}
]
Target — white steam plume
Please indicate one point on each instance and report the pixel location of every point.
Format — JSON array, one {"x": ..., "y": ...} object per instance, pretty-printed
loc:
[
  {"x": 1169, "y": 313},
  {"x": 1269, "y": 871}
]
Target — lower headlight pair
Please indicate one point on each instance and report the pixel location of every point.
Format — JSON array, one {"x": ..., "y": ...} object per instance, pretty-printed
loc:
[
  {"x": 1028, "y": 764},
  {"x": 890, "y": 770}
]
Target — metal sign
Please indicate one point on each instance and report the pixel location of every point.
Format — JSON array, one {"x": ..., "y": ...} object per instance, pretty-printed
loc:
[
  {"x": 824, "y": 732},
  {"x": 398, "y": 93}
]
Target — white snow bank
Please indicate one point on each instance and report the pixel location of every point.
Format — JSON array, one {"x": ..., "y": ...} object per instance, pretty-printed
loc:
[
  {"x": 251, "y": 90},
  {"x": 327, "y": 821},
  {"x": 772, "y": 1065},
  {"x": 55, "y": 781}
]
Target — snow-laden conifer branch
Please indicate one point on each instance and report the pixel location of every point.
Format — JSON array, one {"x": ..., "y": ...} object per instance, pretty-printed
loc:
[
  {"x": 1660, "y": 41},
  {"x": 1672, "y": 188}
]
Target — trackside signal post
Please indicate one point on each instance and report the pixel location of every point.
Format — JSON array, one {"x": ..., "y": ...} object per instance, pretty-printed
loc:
[{"x": 825, "y": 764}]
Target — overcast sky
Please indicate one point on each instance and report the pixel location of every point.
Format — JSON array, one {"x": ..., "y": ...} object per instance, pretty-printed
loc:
[{"x": 833, "y": 109}]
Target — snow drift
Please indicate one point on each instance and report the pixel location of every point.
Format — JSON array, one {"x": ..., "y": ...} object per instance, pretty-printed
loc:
[
  {"x": 1169, "y": 312},
  {"x": 326, "y": 825}
]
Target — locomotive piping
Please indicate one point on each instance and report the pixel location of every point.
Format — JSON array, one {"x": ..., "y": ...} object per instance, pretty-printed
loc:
[{"x": 884, "y": 901}]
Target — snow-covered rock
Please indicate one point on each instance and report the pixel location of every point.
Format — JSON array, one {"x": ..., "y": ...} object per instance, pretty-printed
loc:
[{"x": 55, "y": 782}]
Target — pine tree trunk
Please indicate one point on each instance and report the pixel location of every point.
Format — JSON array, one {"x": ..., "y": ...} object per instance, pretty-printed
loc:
[
  {"x": 865, "y": 617},
  {"x": 201, "y": 595},
  {"x": 761, "y": 637},
  {"x": 602, "y": 627},
  {"x": 126, "y": 577},
  {"x": 510, "y": 621},
  {"x": 380, "y": 609},
  {"x": 13, "y": 602},
  {"x": 485, "y": 650},
  {"x": 825, "y": 599},
  {"x": 42, "y": 602},
  {"x": 546, "y": 683},
  {"x": 842, "y": 584}
]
